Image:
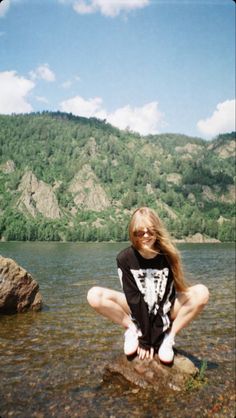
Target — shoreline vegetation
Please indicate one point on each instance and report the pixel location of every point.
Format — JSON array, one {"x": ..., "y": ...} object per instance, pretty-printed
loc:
[
  {"x": 71, "y": 179},
  {"x": 195, "y": 239}
]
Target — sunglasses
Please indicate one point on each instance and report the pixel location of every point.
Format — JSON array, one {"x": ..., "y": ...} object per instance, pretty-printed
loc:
[{"x": 140, "y": 234}]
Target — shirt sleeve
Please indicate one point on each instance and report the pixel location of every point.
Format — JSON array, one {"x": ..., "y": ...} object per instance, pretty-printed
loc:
[{"x": 138, "y": 306}]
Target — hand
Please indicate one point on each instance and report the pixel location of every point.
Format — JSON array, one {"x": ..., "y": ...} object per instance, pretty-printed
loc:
[{"x": 142, "y": 353}]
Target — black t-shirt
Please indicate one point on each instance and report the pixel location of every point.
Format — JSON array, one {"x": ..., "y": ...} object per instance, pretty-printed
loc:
[{"x": 150, "y": 293}]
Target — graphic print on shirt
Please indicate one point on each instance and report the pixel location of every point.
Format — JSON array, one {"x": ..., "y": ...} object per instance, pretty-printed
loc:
[{"x": 152, "y": 285}]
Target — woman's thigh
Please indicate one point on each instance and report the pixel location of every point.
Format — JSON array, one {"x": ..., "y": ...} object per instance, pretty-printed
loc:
[
  {"x": 195, "y": 296},
  {"x": 181, "y": 299},
  {"x": 103, "y": 294},
  {"x": 119, "y": 298}
]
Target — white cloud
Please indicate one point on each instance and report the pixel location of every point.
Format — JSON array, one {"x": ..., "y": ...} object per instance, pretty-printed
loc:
[
  {"x": 83, "y": 8},
  {"x": 43, "y": 72},
  {"x": 81, "y": 107},
  {"x": 144, "y": 120},
  {"x": 4, "y": 6},
  {"x": 14, "y": 90},
  {"x": 110, "y": 8},
  {"x": 221, "y": 121}
]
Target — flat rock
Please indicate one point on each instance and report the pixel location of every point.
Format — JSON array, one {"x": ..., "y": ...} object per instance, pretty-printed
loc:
[
  {"x": 19, "y": 292},
  {"x": 152, "y": 373}
]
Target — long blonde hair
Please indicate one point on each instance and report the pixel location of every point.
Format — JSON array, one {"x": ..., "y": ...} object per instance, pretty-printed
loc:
[{"x": 146, "y": 218}]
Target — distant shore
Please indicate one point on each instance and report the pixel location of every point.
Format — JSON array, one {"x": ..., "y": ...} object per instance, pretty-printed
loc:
[
  {"x": 191, "y": 239},
  {"x": 197, "y": 238}
]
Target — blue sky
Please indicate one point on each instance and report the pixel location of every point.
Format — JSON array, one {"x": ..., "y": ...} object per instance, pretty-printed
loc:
[{"x": 152, "y": 66}]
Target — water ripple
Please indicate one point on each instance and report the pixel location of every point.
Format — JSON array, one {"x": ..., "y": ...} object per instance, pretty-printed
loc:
[{"x": 52, "y": 362}]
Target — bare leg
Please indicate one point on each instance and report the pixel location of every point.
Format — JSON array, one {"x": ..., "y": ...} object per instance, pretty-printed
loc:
[
  {"x": 187, "y": 306},
  {"x": 111, "y": 304}
]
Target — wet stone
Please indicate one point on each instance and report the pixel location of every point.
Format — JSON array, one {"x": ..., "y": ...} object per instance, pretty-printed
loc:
[
  {"x": 151, "y": 373},
  {"x": 19, "y": 292}
]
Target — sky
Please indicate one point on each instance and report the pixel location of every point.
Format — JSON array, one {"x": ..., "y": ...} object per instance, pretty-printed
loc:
[{"x": 151, "y": 66}]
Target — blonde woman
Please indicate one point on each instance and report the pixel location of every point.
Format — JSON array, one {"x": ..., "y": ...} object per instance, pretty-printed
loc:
[{"x": 156, "y": 303}]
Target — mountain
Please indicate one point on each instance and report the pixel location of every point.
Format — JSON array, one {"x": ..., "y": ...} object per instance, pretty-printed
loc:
[{"x": 71, "y": 178}]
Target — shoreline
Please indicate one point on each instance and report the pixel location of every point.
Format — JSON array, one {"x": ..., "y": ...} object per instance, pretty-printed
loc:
[{"x": 186, "y": 240}]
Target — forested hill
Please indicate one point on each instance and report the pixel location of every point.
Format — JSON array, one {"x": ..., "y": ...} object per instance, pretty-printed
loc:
[{"x": 71, "y": 178}]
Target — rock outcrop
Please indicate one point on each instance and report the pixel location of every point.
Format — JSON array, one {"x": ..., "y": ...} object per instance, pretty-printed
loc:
[
  {"x": 37, "y": 197},
  {"x": 8, "y": 167},
  {"x": 167, "y": 209},
  {"x": 225, "y": 150},
  {"x": 87, "y": 191},
  {"x": 189, "y": 148},
  {"x": 174, "y": 178},
  {"x": 229, "y": 195},
  {"x": 189, "y": 151},
  {"x": 197, "y": 239},
  {"x": 19, "y": 292},
  {"x": 152, "y": 373}
]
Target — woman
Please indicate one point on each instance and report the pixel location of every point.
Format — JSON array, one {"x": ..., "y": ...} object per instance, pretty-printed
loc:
[{"x": 156, "y": 303}]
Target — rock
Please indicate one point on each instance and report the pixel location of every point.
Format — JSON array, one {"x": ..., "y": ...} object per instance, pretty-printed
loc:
[
  {"x": 91, "y": 147},
  {"x": 229, "y": 195},
  {"x": 221, "y": 220},
  {"x": 19, "y": 292},
  {"x": 149, "y": 189},
  {"x": 88, "y": 192},
  {"x": 199, "y": 238},
  {"x": 191, "y": 198},
  {"x": 225, "y": 150},
  {"x": 175, "y": 178},
  {"x": 171, "y": 214},
  {"x": 189, "y": 148},
  {"x": 37, "y": 197},
  {"x": 209, "y": 194},
  {"x": 152, "y": 373},
  {"x": 8, "y": 167}
]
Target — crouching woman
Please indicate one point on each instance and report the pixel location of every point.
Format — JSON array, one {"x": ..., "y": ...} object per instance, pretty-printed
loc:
[{"x": 156, "y": 303}]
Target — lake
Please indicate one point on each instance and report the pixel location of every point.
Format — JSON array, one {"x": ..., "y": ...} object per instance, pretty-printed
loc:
[{"x": 52, "y": 362}]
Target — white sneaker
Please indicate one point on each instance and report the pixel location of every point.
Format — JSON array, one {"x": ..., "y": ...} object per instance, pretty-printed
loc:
[
  {"x": 131, "y": 342},
  {"x": 166, "y": 352}
]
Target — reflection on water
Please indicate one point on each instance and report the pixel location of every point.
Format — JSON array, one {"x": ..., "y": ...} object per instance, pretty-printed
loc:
[{"x": 51, "y": 363}]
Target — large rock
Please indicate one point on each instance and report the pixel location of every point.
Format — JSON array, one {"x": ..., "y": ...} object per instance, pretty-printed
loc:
[
  {"x": 19, "y": 292},
  {"x": 37, "y": 197},
  {"x": 87, "y": 191},
  {"x": 152, "y": 373}
]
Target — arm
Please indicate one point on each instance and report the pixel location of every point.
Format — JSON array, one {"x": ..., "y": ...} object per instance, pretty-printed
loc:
[{"x": 138, "y": 306}]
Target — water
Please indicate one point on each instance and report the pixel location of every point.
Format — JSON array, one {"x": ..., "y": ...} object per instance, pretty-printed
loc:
[{"x": 52, "y": 362}]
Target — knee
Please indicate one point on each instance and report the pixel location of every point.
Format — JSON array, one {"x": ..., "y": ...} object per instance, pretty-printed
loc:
[
  {"x": 94, "y": 296},
  {"x": 201, "y": 295}
]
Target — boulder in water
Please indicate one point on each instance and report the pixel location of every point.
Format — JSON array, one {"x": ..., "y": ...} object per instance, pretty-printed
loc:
[
  {"x": 152, "y": 373},
  {"x": 19, "y": 292}
]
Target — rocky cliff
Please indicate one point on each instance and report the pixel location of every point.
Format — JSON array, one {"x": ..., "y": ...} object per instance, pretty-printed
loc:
[
  {"x": 87, "y": 190},
  {"x": 37, "y": 197}
]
